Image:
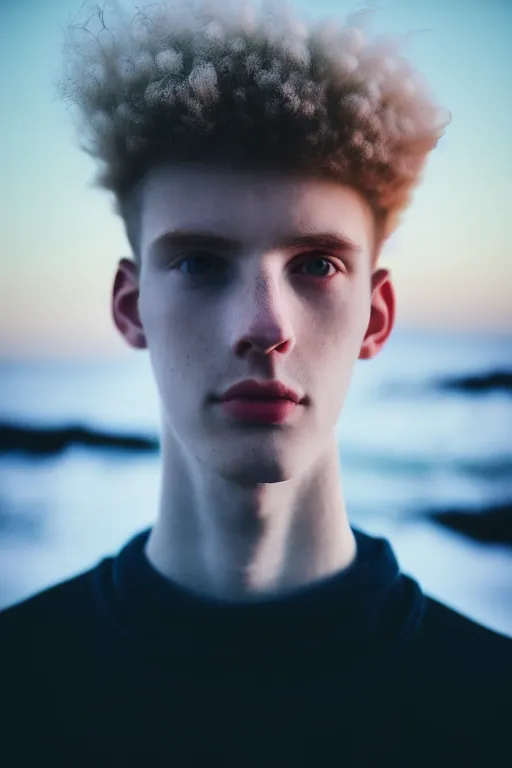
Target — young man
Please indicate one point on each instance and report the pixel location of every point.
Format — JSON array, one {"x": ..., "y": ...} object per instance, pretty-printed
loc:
[{"x": 259, "y": 165}]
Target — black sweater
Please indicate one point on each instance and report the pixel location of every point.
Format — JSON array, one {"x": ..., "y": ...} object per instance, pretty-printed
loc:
[{"x": 118, "y": 666}]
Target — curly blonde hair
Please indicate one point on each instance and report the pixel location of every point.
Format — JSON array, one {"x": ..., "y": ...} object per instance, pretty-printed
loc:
[{"x": 199, "y": 80}]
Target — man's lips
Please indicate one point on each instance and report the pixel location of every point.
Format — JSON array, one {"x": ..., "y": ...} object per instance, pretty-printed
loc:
[
  {"x": 251, "y": 389},
  {"x": 270, "y": 410}
]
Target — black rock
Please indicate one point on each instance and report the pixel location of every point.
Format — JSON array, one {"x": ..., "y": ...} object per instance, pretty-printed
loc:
[
  {"x": 492, "y": 525},
  {"x": 48, "y": 441}
]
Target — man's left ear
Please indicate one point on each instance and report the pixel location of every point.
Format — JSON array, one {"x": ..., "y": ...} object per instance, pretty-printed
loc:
[{"x": 382, "y": 316}]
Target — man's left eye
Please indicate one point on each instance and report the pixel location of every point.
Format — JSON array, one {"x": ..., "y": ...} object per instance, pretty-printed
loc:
[{"x": 316, "y": 261}]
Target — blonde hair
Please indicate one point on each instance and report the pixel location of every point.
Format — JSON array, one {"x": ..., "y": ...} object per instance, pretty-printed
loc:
[{"x": 198, "y": 80}]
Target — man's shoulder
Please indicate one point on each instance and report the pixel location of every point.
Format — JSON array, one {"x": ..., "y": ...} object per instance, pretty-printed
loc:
[
  {"x": 444, "y": 625},
  {"x": 454, "y": 683},
  {"x": 50, "y": 609},
  {"x": 452, "y": 652}
]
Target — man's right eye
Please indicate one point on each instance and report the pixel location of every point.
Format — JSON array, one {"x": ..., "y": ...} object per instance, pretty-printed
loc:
[{"x": 198, "y": 263}]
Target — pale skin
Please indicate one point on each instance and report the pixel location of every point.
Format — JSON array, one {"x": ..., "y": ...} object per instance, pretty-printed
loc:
[{"x": 249, "y": 513}]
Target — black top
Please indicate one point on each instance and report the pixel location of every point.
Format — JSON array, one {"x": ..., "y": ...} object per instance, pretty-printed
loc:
[{"x": 120, "y": 666}]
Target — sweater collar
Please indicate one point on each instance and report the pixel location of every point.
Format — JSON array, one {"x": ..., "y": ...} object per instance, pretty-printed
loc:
[{"x": 368, "y": 605}]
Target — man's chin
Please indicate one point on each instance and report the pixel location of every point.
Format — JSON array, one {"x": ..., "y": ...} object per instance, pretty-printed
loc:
[{"x": 254, "y": 474}]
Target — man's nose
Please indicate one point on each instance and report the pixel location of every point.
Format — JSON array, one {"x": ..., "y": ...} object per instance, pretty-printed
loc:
[{"x": 263, "y": 322}]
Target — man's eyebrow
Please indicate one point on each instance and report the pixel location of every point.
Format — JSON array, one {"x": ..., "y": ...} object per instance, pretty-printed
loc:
[{"x": 185, "y": 238}]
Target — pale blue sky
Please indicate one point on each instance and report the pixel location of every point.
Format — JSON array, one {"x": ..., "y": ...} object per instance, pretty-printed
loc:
[{"x": 450, "y": 260}]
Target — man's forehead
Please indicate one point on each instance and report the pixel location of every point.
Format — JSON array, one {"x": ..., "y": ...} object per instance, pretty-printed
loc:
[
  {"x": 246, "y": 183},
  {"x": 244, "y": 205}
]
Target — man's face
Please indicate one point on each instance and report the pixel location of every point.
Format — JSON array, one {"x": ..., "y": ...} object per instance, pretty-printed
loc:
[{"x": 248, "y": 305}]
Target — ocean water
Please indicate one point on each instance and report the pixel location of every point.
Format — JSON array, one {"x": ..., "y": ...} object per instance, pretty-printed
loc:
[{"x": 406, "y": 447}]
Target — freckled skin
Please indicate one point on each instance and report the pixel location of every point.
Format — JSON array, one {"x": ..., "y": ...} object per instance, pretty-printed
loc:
[{"x": 248, "y": 510}]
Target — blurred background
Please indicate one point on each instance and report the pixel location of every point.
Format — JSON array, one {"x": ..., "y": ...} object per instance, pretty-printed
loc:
[{"x": 426, "y": 434}]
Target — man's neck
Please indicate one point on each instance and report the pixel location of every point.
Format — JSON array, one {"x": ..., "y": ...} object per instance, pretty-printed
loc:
[{"x": 247, "y": 544}]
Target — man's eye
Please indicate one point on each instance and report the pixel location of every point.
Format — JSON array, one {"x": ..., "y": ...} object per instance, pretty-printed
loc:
[
  {"x": 321, "y": 264},
  {"x": 197, "y": 263}
]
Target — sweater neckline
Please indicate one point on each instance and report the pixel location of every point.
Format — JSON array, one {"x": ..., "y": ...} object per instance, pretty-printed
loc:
[{"x": 369, "y": 606}]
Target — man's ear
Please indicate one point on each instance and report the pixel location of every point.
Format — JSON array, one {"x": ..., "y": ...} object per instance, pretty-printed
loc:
[
  {"x": 382, "y": 315},
  {"x": 125, "y": 308}
]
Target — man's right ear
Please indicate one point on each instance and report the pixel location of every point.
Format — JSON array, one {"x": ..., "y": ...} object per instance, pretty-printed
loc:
[{"x": 125, "y": 307}]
